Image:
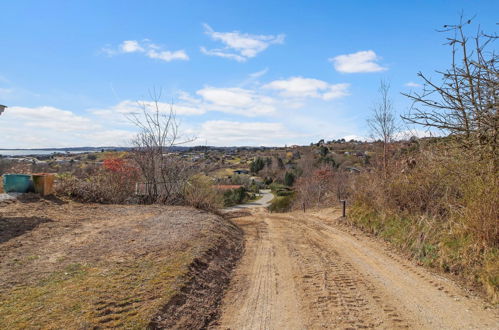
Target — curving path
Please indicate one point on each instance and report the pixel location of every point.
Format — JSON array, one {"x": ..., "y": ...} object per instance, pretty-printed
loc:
[{"x": 267, "y": 196}]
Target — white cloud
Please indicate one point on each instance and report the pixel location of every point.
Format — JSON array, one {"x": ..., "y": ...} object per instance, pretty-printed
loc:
[
  {"x": 148, "y": 49},
  {"x": 131, "y": 46},
  {"x": 413, "y": 84},
  {"x": 408, "y": 133},
  {"x": 362, "y": 61},
  {"x": 232, "y": 97},
  {"x": 168, "y": 56},
  {"x": 236, "y": 100},
  {"x": 45, "y": 126},
  {"x": 307, "y": 87},
  {"x": 48, "y": 117},
  {"x": 119, "y": 113},
  {"x": 278, "y": 101},
  {"x": 240, "y": 46},
  {"x": 221, "y": 53},
  {"x": 259, "y": 74},
  {"x": 223, "y": 133},
  {"x": 355, "y": 137},
  {"x": 260, "y": 100}
]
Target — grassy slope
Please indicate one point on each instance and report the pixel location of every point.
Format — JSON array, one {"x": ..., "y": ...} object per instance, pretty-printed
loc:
[
  {"x": 84, "y": 296},
  {"x": 126, "y": 266},
  {"x": 442, "y": 211}
]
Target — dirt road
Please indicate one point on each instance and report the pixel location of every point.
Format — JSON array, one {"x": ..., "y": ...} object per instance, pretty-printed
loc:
[{"x": 304, "y": 271}]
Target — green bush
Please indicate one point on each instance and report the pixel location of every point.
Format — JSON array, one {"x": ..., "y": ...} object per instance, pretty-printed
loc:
[
  {"x": 284, "y": 192},
  {"x": 277, "y": 186},
  {"x": 289, "y": 179},
  {"x": 235, "y": 196},
  {"x": 281, "y": 204}
]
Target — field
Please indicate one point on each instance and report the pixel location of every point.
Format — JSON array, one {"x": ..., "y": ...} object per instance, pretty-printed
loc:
[{"x": 71, "y": 265}]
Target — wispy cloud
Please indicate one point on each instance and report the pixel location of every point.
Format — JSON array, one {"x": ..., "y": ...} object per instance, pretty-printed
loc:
[
  {"x": 300, "y": 87},
  {"x": 221, "y": 132},
  {"x": 413, "y": 84},
  {"x": 260, "y": 113},
  {"x": 240, "y": 46},
  {"x": 5, "y": 91},
  {"x": 258, "y": 74},
  {"x": 119, "y": 112},
  {"x": 263, "y": 100},
  {"x": 47, "y": 124},
  {"x": 235, "y": 100},
  {"x": 147, "y": 48},
  {"x": 363, "y": 61}
]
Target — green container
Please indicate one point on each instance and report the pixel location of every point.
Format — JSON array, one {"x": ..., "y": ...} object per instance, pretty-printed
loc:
[{"x": 20, "y": 183}]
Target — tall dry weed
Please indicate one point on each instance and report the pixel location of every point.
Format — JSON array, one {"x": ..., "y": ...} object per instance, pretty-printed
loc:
[{"x": 440, "y": 204}]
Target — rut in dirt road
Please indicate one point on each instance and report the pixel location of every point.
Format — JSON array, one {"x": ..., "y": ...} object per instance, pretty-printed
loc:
[{"x": 302, "y": 271}]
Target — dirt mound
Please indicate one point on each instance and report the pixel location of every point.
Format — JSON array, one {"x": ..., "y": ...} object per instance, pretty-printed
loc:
[
  {"x": 197, "y": 304},
  {"x": 71, "y": 265}
]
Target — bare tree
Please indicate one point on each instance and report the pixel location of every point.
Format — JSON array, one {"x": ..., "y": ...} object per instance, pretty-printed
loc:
[
  {"x": 464, "y": 102},
  {"x": 165, "y": 175},
  {"x": 383, "y": 122}
]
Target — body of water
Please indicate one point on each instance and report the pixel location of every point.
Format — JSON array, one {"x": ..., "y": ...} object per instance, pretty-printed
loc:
[{"x": 21, "y": 152}]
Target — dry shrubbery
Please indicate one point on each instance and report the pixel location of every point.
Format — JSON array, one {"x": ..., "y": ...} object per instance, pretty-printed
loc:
[
  {"x": 114, "y": 182},
  {"x": 441, "y": 201},
  {"x": 439, "y": 204},
  {"x": 201, "y": 194},
  {"x": 321, "y": 187}
]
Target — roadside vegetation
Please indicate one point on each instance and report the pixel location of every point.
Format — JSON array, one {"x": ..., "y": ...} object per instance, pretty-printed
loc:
[{"x": 438, "y": 199}]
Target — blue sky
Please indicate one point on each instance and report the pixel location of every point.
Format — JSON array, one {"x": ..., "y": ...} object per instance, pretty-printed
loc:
[{"x": 239, "y": 73}]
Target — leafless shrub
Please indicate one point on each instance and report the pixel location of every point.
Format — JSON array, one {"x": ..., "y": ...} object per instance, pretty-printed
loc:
[
  {"x": 383, "y": 122},
  {"x": 315, "y": 189},
  {"x": 465, "y": 102},
  {"x": 201, "y": 194},
  {"x": 101, "y": 187},
  {"x": 165, "y": 176},
  {"x": 5, "y": 166}
]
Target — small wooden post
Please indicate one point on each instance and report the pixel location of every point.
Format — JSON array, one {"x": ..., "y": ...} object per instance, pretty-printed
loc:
[
  {"x": 303, "y": 207},
  {"x": 344, "y": 205}
]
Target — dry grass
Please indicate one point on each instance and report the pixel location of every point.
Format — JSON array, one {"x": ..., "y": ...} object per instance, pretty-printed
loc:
[
  {"x": 83, "y": 296},
  {"x": 443, "y": 209},
  {"x": 71, "y": 265}
]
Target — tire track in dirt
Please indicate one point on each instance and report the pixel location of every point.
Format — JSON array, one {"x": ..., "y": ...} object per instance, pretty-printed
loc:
[
  {"x": 429, "y": 300},
  {"x": 261, "y": 294},
  {"x": 301, "y": 271},
  {"x": 337, "y": 294}
]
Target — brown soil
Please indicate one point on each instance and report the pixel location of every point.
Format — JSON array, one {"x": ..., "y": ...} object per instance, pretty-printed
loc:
[
  {"x": 70, "y": 265},
  {"x": 304, "y": 271}
]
